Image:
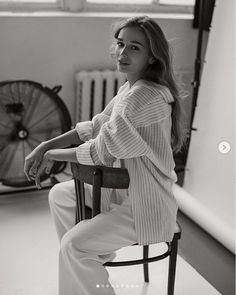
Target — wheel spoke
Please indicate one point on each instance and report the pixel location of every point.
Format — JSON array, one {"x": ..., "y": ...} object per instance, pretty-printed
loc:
[
  {"x": 34, "y": 139},
  {"x": 4, "y": 96},
  {"x": 9, "y": 122},
  {"x": 32, "y": 146},
  {"x": 5, "y": 126},
  {"x": 46, "y": 130},
  {"x": 11, "y": 92},
  {"x": 31, "y": 108},
  {"x": 3, "y": 110},
  {"x": 3, "y": 139},
  {"x": 23, "y": 148},
  {"x": 2, "y": 147},
  {"x": 18, "y": 92},
  {"x": 26, "y": 97},
  {"x": 44, "y": 117},
  {"x": 7, "y": 164},
  {"x": 27, "y": 147}
]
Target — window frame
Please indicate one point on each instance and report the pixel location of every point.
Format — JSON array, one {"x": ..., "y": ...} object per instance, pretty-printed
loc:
[
  {"x": 155, "y": 7},
  {"x": 62, "y": 6},
  {"x": 31, "y": 6}
]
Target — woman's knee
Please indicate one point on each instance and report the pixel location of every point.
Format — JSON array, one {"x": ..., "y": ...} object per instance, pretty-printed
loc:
[
  {"x": 72, "y": 241},
  {"x": 66, "y": 244},
  {"x": 60, "y": 193},
  {"x": 54, "y": 193}
]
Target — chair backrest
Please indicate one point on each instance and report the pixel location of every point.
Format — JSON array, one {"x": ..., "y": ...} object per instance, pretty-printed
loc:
[{"x": 97, "y": 176}]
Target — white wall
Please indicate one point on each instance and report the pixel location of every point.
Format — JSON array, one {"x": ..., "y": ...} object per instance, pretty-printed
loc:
[
  {"x": 210, "y": 175},
  {"x": 50, "y": 50}
]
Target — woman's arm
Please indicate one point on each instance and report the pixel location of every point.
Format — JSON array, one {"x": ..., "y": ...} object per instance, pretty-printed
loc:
[
  {"x": 65, "y": 140},
  {"x": 33, "y": 160},
  {"x": 64, "y": 155},
  {"x": 67, "y": 155},
  {"x": 83, "y": 132}
]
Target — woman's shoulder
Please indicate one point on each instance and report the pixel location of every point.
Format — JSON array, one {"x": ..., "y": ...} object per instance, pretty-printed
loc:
[
  {"x": 152, "y": 90},
  {"x": 145, "y": 94}
]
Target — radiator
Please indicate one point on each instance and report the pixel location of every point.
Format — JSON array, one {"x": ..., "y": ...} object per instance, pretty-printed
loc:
[{"x": 94, "y": 90}]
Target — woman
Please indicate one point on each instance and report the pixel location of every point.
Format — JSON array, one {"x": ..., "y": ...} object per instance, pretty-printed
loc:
[{"x": 139, "y": 130}]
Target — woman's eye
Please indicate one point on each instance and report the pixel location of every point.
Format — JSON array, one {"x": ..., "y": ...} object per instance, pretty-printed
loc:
[
  {"x": 133, "y": 47},
  {"x": 119, "y": 44}
]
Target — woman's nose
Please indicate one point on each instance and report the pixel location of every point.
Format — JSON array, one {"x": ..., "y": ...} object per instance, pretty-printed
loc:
[{"x": 124, "y": 51}]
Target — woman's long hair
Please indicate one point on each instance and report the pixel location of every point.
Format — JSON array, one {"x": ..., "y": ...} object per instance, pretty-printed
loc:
[{"x": 161, "y": 71}]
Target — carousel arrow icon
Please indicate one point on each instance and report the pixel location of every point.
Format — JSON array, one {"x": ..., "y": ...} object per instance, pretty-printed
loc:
[{"x": 224, "y": 147}]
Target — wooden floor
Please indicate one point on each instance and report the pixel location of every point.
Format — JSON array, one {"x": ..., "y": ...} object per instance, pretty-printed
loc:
[{"x": 29, "y": 252}]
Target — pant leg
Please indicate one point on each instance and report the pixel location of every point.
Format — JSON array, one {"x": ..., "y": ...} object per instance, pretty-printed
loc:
[
  {"x": 88, "y": 245},
  {"x": 62, "y": 202}
]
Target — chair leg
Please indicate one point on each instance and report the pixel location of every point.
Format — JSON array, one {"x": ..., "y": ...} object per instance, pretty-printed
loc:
[
  {"x": 172, "y": 266},
  {"x": 145, "y": 265}
]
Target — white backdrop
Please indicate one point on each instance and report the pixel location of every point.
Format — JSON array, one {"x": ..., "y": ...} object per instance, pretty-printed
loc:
[{"x": 210, "y": 175}]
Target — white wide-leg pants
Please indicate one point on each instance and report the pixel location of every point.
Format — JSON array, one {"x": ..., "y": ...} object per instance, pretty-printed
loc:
[{"x": 85, "y": 247}]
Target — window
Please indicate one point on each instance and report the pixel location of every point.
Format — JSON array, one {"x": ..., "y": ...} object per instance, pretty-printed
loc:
[
  {"x": 27, "y": 1},
  {"x": 177, "y": 2},
  {"x": 167, "y": 2},
  {"x": 158, "y": 6},
  {"x": 27, "y": 5},
  {"x": 121, "y": 1}
]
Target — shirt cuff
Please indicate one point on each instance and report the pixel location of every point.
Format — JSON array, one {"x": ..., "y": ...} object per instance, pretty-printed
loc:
[
  {"x": 84, "y": 130},
  {"x": 94, "y": 154},
  {"x": 83, "y": 154}
]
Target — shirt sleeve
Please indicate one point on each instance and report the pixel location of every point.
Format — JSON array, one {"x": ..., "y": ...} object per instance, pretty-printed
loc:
[
  {"x": 89, "y": 129},
  {"x": 117, "y": 139}
]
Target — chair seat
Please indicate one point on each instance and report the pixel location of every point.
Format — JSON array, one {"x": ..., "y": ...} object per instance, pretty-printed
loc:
[
  {"x": 177, "y": 228},
  {"x": 178, "y": 231}
]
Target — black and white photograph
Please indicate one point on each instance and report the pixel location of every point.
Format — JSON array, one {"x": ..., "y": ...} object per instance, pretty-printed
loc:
[{"x": 117, "y": 147}]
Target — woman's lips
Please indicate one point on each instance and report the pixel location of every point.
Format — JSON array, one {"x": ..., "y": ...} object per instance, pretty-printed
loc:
[{"x": 123, "y": 63}]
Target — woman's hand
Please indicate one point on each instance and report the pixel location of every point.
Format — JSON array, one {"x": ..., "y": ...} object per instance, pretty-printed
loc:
[
  {"x": 33, "y": 160},
  {"x": 44, "y": 166},
  {"x": 65, "y": 155}
]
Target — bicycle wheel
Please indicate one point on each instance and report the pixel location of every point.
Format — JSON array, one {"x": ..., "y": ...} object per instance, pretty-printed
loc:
[{"x": 30, "y": 113}]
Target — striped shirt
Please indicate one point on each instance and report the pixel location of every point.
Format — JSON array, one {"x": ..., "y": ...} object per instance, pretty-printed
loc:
[{"x": 135, "y": 128}]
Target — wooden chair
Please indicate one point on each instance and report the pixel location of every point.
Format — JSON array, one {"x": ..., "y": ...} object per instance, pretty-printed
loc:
[{"x": 118, "y": 178}]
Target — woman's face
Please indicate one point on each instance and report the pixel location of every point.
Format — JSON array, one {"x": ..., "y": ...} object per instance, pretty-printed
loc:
[{"x": 132, "y": 53}]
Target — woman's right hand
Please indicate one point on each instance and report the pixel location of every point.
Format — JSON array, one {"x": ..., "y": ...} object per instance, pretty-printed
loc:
[{"x": 33, "y": 160}]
